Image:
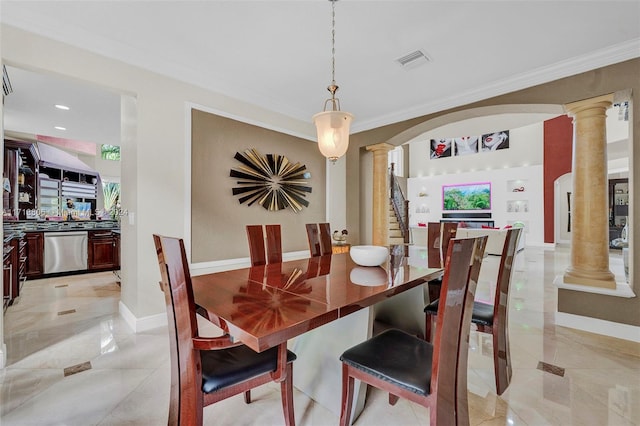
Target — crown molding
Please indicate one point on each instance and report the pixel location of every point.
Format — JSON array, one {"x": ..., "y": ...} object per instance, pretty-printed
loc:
[{"x": 601, "y": 58}]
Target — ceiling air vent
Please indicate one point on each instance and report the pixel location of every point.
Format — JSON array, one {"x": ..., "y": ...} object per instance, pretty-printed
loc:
[{"x": 413, "y": 59}]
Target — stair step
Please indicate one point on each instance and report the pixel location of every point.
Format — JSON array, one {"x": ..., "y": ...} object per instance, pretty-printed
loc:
[
  {"x": 395, "y": 233},
  {"x": 395, "y": 241}
]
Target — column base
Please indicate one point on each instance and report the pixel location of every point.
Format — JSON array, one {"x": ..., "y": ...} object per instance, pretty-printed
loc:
[{"x": 602, "y": 279}]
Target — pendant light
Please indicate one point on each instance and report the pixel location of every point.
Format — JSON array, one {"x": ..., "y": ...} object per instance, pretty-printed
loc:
[{"x": 333, "y": 125}]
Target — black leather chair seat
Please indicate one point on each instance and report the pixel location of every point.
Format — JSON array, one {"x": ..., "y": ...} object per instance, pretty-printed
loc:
[
  {"x": 482, "y": 312},
  {"x": 396, "y": 357},
  {"x": 227, "y": 367}
]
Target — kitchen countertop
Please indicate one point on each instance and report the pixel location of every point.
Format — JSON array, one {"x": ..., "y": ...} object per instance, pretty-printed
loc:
[{"x": 57, "y": 226}]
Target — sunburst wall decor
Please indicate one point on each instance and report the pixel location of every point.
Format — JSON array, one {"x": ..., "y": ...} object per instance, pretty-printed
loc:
[{"x": 271, "y": 180}]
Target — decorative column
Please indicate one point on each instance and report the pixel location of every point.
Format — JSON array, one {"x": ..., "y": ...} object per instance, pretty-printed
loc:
[
  {"x": 380, "y": 212},
  {"x": 589, "y": 263}
]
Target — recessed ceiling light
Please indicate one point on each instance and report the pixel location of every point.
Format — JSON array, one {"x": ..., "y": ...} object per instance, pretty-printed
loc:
[
  {"x": 60, "y": 128},
  {"x": 64, "y": 107}
]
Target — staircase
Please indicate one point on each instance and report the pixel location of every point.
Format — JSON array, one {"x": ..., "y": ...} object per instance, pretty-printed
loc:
[
  {"x": 398, "y": 232},
  {"x": 395, "y": 233}
]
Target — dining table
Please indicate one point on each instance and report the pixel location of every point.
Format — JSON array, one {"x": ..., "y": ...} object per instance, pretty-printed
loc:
[{"x": 321, "y": 306}]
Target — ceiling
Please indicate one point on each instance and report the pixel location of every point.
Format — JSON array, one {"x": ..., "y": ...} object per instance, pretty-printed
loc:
[{"x": 277, "y": 54}]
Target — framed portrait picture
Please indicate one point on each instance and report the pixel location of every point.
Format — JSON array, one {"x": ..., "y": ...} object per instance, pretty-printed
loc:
[
  {"x": 495, "y": 141},
  {"x": 466, "y": 145},
  {"x": 441, "y": 147}
]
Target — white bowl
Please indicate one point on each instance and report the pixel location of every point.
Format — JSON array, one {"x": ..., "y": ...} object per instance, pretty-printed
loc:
[
  {"x": 369, "y": 255},
  {"x": 369, "y": 276}
]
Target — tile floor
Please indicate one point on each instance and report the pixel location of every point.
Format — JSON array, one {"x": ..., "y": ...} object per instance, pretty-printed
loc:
[{"x": 72, "y": 360}]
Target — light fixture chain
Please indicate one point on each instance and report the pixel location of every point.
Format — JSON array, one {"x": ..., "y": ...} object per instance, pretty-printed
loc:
[{"x": 333, "y": 42}]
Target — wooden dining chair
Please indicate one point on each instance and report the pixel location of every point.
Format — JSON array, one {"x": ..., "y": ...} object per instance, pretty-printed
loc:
[
  {"x": 319, "y": 236},
  {"x": 474, "y": 273},
  {"x": 493, "y": 318},
  {"x": 313, "y": 235},
  {"x": 449, "y": 230},
  {"x": 438, "y": 236},
  {"x": 257, "y": 252},
  {"x": 432, "y": 375},
  {"x": 434, "y": 253},
  {"x": 205, "y": 370},
  {"x": 325, "y": 238}
]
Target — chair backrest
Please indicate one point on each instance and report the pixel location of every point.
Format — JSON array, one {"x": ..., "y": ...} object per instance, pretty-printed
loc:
[
  {"x": 452, "y": 329},
  {"x": 257, "y": 252},
  {"x": 319, "y": 236},
  {"x": 449, "y": 230},
  {"x": 501, "y": 300},
  {"x": 183, "y": 326},
  {"x": 474, "y": 274},
  {"x": 325, "y": 238},
  {"x": 434, "y": 257},
  {"x": 314, "y": 239},
  {"x": 256, "y": 245},
  {"x": 274, "y": 244},
  {"x": 505, "y": 272}
]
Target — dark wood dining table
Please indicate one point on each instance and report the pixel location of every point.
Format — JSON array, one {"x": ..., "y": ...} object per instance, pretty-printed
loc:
[{"x": 263, "y": 306}]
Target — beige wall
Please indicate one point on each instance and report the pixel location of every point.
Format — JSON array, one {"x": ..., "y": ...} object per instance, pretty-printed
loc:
[
  {"x": 610, "y": 79},
  {"x": 217, "y": 218}
]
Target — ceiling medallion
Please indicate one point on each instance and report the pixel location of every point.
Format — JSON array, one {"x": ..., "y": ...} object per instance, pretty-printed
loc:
[{"x": 271, "y": 180}]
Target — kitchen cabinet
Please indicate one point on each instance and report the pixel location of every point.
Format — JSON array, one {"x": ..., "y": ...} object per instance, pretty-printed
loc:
[
  {"x": 20, "y": 169},
  {"x": 7, "y": 275},
  {"x": 117, "y": 248},
  {"x": 58, "y": 187},
  {"x": 35, "y": 254},
  {"x": 18, "y": 263},
  {"x": 104, "y": 250}
]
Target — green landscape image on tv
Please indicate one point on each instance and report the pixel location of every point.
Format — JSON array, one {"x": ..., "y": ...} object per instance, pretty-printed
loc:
[{"x": 468, "y": 196}]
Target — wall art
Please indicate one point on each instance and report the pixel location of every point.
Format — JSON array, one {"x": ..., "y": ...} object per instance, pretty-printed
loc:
[
  {"x": 271, "y": 180},
  {"x": 466, "y": 145},
  {"x": 495, "y": 141},
  {"x": 441, "y": 148}
]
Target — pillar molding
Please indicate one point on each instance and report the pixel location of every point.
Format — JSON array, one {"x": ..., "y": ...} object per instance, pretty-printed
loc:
[
  {"x": 589, "y": 257},
  {"x": 380, "y": 210}
]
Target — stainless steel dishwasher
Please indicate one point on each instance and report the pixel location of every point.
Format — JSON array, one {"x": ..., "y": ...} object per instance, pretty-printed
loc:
[{"x": 65, "y": 251}]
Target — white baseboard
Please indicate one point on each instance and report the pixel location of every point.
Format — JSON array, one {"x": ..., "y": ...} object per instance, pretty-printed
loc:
[
  {"x": 202, "y": 268},
  {"x": 141, "y": 324},
  {"x": 598, "y": 326}
]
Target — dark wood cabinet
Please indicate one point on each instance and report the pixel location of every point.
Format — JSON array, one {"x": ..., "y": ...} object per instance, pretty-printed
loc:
[
  {"x": 117, "y": 248},
  {"x": 7, "y": 275},
  {"x": 20, "y": 167},
  {"x": 104, "y": 250},
  {"x": 18, "y": 263},
  {"x": 35, "y": 254}
]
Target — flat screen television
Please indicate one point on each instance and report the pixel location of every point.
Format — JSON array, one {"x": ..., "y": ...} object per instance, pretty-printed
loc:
[{"x": 467, "y": 197}]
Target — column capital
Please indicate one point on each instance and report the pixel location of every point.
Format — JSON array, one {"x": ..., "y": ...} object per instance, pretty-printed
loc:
[
  {"x": 384, "y": 147},
  {"x": 604, "y": 101}
]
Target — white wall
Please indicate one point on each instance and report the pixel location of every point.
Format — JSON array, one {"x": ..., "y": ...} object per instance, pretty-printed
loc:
[
  {"x": 562, "y": 186},
  {"x": 519, "y": 165},
  {"x": 525, "y": 149},
  {"x": 154, "y": 163},
  {"x": 502, "y": 182}
]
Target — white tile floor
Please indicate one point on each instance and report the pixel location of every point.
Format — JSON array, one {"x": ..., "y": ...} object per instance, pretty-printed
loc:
[{"x": 128, "y": 382}]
